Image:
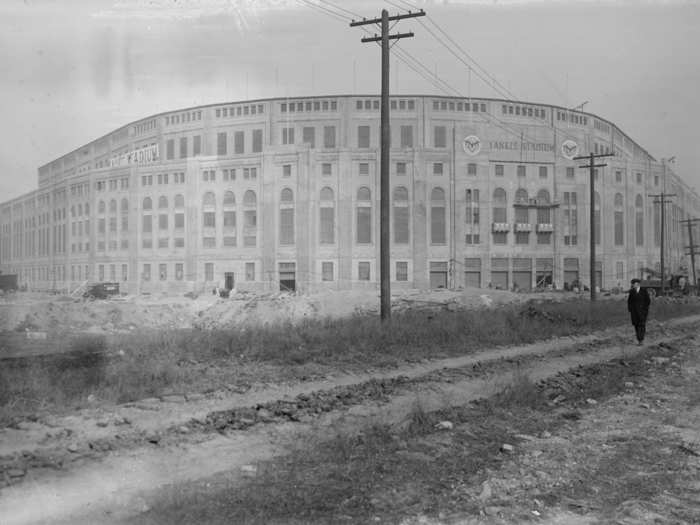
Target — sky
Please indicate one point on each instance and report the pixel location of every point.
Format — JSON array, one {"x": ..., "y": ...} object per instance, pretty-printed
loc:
[{"x": 74, "y": 70}]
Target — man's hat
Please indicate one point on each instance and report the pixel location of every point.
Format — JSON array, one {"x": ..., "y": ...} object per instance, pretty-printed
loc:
[{"x": 636, "y": 281}]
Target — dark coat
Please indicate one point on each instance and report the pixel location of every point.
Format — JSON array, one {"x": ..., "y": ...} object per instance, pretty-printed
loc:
[{"x": 638, "y": 305}]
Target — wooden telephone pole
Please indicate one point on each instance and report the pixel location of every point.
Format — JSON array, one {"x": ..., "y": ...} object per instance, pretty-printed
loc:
[
  {"x": 691, "y": 248},
  {"x": 592, "y": 165},
  {"x": 660, "y": 198},
  {"x": 384, "y": 182}
]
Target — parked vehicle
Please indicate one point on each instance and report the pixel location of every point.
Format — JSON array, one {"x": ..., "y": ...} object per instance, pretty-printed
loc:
[
  {"x": 101, "y": 290},
  {"x": 675, "y": 284},
  {"x": 8, "y": 282}
]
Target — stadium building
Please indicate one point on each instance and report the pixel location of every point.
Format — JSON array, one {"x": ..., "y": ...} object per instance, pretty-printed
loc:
[{"x": 284, "y": 194}]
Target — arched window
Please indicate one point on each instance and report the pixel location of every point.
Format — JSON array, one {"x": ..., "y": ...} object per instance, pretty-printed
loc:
[
  {"x": 147, "y": 203},
  {"x": 249, "y": 198},
  {"x": 327, "y": 216},
  {"x": 287, "y": 216},
  {"x": 179, "y": 201},
  {"x": 209, "y": 199},
  {"x": 499, "y": 212},
  {"x": 522, "y": 217},
  {"x": 101, "y": 206},
  {"x": 125, "y": 214},
  {"x": 229, "y": 219},
  {"x": 438, "y": 225},
  {"x": 619, "y": 220},
  {"x": 544, "y": 213},
  {"x": 209, "y": 210},
  {"x": 229, "y": 199},
  {"x": 162, "y": 202},
  {"x": 639, "y": 220},
  {"x": 364, "y": 216},
  {"x": 250, "y": 218},
  {"x": 401, "y": 215}
]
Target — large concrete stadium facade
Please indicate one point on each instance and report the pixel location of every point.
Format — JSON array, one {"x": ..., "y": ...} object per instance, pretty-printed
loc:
[{"x": 284, "y": 193}]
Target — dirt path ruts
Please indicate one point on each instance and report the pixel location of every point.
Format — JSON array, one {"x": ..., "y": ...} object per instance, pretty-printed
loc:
[{"x": 115, "y": 487}]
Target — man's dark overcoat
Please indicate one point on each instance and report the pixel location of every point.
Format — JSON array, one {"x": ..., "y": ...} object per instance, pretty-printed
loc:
[{"x": 638, "y": 305}]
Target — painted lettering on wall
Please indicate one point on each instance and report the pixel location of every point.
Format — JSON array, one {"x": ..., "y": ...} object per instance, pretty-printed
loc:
[
  {"x": 138, "y": 156},
  {"x": 520, "y": 146}
]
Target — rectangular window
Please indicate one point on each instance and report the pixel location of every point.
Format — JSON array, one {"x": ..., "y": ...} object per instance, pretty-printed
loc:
[
  {"x": 329, "y": 136},
  {"x": 147, "y": 225},
  {"x": 326, "y": 168},
  {"x": 183, "y": 147},
  {"x": 326, "y": 271},
  {"x": 327, "y": 226},
  {"x": 170, "y": 149},
  {"x": 619, "y": 228},
  {"x": 401, "y": 168},
  {"x": 570, "y": 172},
  {"x": 230, "y": 220},
  {"x": 101, "y": 272},
  {"x": 179, "y": 242},
  {"x": 406, "y": 136},
  {"x": 471, "y": 168},
  {"x": 521, "y": 171},
  {"x": 146, "y": 272},
  {"x": 179, "y": 220},
  {"x": 179, "y": 271},
  {"x": 363, "y": 271},
  {"x": 364, "y": 225},
  {"x": 639, "y": 178},
  {"x": 618, "y": 176},
  {"x": 309, "y": 136},
  {"x": 221, "y": 143},
  {"x": 543, "y": 172},
  {"x": 287, "y": 135},
  {"x": 163, "y": 271},
  {"x": 287, "y": 226},
  {"x": 208, "y": 271},
  {"x": 364, "y": 168},
  {"x": 209, "y": 242},
  {"x": 257, "y": 140},
  {"x": 401, "y": 271},
  {"x": 440, "y": 137},
  {"x": 238, "y": 143},
  {"x": 250, "y": 271},
  {"x": 125, "y": 272},
  {"x": 499, "y": 170},
  {"x": 209, "y": 219},
  {"x": 196, "y": 145},
  {"x": 286, "y": 170},
  {"x": 363, "y": 136},
  {"x": 437, "y": 168},
  {"x": 162, "y": 222}
]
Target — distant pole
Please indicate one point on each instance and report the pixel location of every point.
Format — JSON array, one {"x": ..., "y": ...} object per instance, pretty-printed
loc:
[
  {"x": 384, "y": 180},
  {"x": 661, "y": 200},
  {"x": 592, "y": 165},
  {"x": 691, "y": 248}
]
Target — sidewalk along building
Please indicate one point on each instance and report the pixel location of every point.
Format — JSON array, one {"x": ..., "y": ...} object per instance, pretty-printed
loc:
[{"x": 284, "y": 194}]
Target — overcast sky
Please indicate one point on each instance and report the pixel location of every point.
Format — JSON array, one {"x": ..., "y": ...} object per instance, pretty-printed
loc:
[{"x": 74, "y": 70}]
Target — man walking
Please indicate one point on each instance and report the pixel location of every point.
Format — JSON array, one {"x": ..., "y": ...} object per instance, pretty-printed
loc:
[{"x": 638, "y": 306}]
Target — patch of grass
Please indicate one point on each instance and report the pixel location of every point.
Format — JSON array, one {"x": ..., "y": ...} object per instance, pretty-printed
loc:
[{"x": 149, "y": 362}]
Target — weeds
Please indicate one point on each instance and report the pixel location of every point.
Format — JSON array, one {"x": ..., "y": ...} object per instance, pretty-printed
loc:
[{"x": 127, "y": 367}]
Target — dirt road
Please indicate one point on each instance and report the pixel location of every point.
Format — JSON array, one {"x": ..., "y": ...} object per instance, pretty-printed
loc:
[{"x": 102, "y": 466}]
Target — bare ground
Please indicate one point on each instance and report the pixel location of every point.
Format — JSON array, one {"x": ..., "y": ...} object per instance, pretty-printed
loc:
[{"x": 106, "y": 464}]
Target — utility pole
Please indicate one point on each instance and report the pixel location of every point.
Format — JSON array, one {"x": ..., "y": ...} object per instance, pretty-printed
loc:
[
  {"x": 384, "y": 182},
  {"x": 692, "y": 246},
  {"x": 592, "y": 165},
  {"x": 660, "y": 198}
]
